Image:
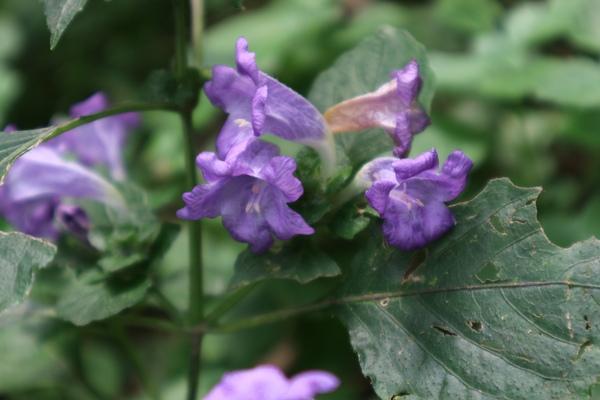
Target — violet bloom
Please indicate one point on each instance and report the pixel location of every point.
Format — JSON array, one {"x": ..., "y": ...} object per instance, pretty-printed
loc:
[
  {"x": 393, "y": 107},
  {"x": 99, "y": 143},
  {"x": 249, "y": 189},
  {"x": 267, "y": 382},
  {"x": 258, "y": 104},
  {"x": 409, "y": 194},
  {"x": 35, "y": 192}
]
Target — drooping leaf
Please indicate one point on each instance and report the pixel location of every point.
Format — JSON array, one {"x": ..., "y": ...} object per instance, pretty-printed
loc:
[
  {"x": 20, "y": 257},
  {"x": 492, "y": 310},
  {"x": 363, "y": 70},
  {"x": 298, "y": 259},
  {"x": 59, "y": 14}
]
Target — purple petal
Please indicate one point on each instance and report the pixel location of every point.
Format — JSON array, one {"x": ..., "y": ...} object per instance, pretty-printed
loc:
[
  {"x": 306, "y": 385},
  {"x": 281, "y": 220},
  {"x": 279, "y": 173},
  {"x": 408, "y": 82},
  {"x": 377, "y": 170},
  {"x": 409, "y": 167},
  {"x": 42, "y": 172},
  {"x": 236, "y": 133},
  {"x": 378, "y": 195},
  {"x": 257, "y": 154},
  {"x": 245, "y": 61},
  {"x": 410, "y": 229},
  {"x": 258, "y": 109},
  {"x": 91, "y": 105},
  {"x": 203, "y": 201},
  {"x": 402, "y": 134},
  {"x": 264, "y": 382},
  {"x": 73, "y": 219}
]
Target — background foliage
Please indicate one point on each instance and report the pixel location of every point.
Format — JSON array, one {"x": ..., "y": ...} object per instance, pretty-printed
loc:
[{"x": 517, "y": 88}]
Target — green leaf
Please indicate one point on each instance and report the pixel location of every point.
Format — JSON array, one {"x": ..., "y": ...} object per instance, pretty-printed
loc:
[
  {"x": 90, "y": 298},
  {"x": 352, "y": 218},
  {"x": 59, "y": 14},
  {"x": 20, "y": 257},
  {"x": 29, "y": 360},
  {"x": 363, "y": 70},
  {"x": 298, "y": 259},
  {"x": 492, "y": 310},
  {"x": 15, "y": 144},
  {"x": 124, "y": 239}
]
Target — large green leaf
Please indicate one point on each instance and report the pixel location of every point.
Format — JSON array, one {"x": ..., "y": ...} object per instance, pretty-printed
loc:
[
  {"x": 363, "y": 70},
  {"x": 298, "y": 259},
  {"x": 59, "y": 14},
  {"x": 20, "y": 257},
  {"x": 492, "y": 310}
]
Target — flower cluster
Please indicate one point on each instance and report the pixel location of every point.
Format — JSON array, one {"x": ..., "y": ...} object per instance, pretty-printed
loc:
[
  {"x": 249, "y": 184},
  {"x": 36, "y": 195},
  {"x": 267, "y": 382}
]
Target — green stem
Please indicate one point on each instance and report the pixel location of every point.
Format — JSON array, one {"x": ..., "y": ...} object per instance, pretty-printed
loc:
[
  {"x": 228, "y": 303},
  {"x": 112, "y": 110},
  {"x": 196, "y": 289},
  {"x": 197, "y": 30},
  {"x": 137, "y": 364},
  {"x": 196, "y": 292},
  {"x": 181, "y": 36}
]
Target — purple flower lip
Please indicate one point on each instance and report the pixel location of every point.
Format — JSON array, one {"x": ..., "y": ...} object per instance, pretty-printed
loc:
[
  {"x": 258, "y": 104},
  {"x": 267, "y": 382},
  {"x": 409, "y": 194},
  {"x": 250, "y": 190},
  {"x": 393, "y": 106}
]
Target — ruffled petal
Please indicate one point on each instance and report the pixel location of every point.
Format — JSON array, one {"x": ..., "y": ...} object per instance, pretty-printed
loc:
[
  {"x": 409, "y": 167},
  {"x": 245, "y": 62},
  {"x": 378, "y": 195},
  {"x": 408, "y": 82},
  {"x": 279, "y": 173}
]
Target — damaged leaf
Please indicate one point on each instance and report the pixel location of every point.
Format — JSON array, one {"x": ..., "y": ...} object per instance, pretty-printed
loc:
[{"x": 460, "y": 329}]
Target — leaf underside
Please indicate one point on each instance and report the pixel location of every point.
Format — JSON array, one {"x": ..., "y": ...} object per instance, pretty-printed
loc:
[
  {"x": 59, "y": 14},
  {"x": 15, "y": 144},
  {"x": 492, "y": 310}
]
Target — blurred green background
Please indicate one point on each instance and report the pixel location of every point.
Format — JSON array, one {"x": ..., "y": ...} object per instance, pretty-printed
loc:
[{"x": 517, "y": 89}]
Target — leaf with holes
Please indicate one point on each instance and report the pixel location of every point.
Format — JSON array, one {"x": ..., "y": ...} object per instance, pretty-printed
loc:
[
  {"x": 492, "y": 310},
  {"x": 59, "y": 14}
]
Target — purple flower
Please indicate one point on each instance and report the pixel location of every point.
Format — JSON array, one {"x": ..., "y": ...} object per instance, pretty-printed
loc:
[
  {"x": 39, "y": 184},
  {"x": 409, "y": 194},
  {"x": 99, "y": 143},
  {"x": 258, "y": 104},
  {"x": 267, "y": 382},
  {"x": 249, "y": 189},
  {"x": 393, "y": 107}
]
